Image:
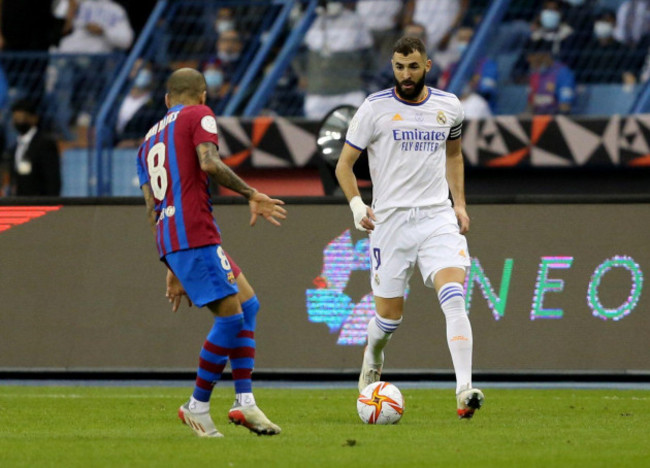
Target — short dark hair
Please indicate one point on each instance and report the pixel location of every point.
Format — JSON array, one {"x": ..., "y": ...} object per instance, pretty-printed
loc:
[
  {"x": 25, "y": 105},
  {"x": 186, "y": 81},
  {"x": 407, "y": 45}
]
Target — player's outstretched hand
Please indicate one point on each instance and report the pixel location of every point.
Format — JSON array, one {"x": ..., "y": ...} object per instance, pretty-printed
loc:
[
  {"x": 175, "y": 291},
  {"x": 463, "y": 219},
  {"x": 267, "y": 207}
]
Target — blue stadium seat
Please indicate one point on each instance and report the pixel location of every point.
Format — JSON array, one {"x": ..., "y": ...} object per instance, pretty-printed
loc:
[
  {"x": 512, "y": 99},
  {"x": 605, "y": 99},
  {"x": 505, "y": 62},
  {"x": 74, "y": 173}
]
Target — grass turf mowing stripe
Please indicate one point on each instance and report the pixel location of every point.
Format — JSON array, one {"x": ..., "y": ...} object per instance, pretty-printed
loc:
[{"x": 109, "y": 426}]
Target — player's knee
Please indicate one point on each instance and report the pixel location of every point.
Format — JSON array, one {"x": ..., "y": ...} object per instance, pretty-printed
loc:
[
  {"x": 387, "y": 325},
  {"x": 452, "y": 299},
  {"x": 250, "y": 308}
]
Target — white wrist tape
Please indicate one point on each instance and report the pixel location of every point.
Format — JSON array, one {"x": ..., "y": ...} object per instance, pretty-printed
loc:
[{"x": 359, "y": 211}]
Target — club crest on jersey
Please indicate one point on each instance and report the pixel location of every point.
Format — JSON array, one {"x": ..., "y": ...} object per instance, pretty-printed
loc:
[
  {"x": 231, "y": 277},
  {"x": 167, "y": 212},
  {"x": 441, "y": 118},
  {"x": 209, "y": 124}
]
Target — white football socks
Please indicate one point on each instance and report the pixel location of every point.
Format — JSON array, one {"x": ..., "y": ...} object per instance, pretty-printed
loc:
[
  {"x": 245, "y": 399},
  {"x": 380, "y": 331},
  {"x": 459, "y": 332},
  {"x": 197, "y": 406}
]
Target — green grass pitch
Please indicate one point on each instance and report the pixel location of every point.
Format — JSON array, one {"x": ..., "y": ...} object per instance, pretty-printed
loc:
[{"x": 78, "y": 426}]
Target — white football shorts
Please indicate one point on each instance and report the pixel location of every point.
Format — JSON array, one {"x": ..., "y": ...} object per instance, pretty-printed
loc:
[{"x": 428, "y": 236}]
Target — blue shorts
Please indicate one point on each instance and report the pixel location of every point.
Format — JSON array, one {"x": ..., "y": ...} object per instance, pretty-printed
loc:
[{"x": 204, "y": 272}]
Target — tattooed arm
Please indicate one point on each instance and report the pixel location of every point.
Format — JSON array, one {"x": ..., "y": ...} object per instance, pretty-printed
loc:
[
  {"x": 212, "y": 164},
  {"x": 260, "y": 204}
]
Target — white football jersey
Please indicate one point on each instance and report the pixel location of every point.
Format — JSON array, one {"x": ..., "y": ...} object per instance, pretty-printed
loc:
[{"x": 406, "y": 145}]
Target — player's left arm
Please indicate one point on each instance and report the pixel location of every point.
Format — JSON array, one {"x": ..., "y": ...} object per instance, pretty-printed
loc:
[
  {"x": 456, "y": 181},
  {"x": 260, "y": 204}
]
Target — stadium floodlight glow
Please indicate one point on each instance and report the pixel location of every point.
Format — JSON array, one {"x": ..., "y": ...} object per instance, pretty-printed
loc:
[{"x": 332, "y": 131}]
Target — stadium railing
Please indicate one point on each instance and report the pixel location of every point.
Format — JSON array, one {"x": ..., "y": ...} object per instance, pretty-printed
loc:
[
  {"x": 67, "y": 90},
  {"x": 609, "y": 80},
  {"x": 185, "y": 34}
]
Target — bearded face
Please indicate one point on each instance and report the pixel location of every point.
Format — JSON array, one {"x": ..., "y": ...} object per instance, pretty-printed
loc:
[{"x": 409, "y": 72}]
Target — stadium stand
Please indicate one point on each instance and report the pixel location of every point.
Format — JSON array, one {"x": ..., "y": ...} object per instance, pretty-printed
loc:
[{"x": 262, "y": 79}]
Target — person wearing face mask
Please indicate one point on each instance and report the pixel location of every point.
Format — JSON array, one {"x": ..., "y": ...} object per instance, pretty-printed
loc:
[
  {"x": 225, "y": 20},
  {"x": 226, "y": 63},
  {"x": 138, "y": 110},
  {"x": 32, "y": 166},
  {"x": 603, "y": 59},
  {"x": 214, "y": 80},
  {"x": 485, "y": 75},
  {"x": 549, "y": 27}
]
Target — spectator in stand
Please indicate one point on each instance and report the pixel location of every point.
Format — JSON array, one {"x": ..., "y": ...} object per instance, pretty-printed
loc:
[
  {"x": 547, "y": 28},
  {"x": 338, "y": 56},
  {"x": 220, "y": 70},
  {"x": 383, "y": 19},
  {"x": 552, "y": 84},
  {"x": 485, "y": 75},
  {"x": 214, "y": 80},
  {"x": 603, "y": 59},
  {"x": 440, "y": 17},
  {"x": 99, "y": 27},
  {"x": 229, "y": 50},
  {"x": 580, "y": 15},
  {"x": 225, "y": 20},
  {"x": 32, "y": 166},
  {"x": 140, "y": 109},
  {"x": 632, "y": 21},
  {"x": 474, "y": 105},
  {"x": 385, "y": 78}
]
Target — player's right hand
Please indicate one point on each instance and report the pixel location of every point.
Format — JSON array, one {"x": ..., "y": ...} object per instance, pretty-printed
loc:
[
  {"x": 175, "y": 291},
  {"x": 363, "y": 215},
  {"x": 267, "y": 207}
]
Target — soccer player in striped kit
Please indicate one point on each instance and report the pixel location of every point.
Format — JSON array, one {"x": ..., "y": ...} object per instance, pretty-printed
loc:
[
  {"x": 412, "y": 134},
  {"x": 174, "y": 162}
]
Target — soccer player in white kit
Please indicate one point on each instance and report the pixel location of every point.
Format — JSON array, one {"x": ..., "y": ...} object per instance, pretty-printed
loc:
[{"x": 412, "y": 134}]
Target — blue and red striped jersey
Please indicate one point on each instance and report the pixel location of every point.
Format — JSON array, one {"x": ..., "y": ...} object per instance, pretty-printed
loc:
[{"x": 167, "y": 160}]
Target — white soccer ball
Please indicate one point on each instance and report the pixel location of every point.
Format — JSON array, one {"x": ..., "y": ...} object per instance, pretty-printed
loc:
[{"x": 380, "y": 403}]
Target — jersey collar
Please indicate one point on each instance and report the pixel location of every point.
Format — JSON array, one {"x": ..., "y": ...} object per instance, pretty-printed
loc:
[{"x": 411, "y": 103}]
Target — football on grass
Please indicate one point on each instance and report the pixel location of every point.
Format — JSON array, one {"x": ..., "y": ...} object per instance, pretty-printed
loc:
[{"x": 380, "y": 403}]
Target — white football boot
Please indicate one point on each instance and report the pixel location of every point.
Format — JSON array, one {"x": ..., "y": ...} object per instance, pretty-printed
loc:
[
  {"x": 369, "y": 373},
  {"x": 200, "y": 423},
  {"x": 469, "y": 400},
  {"x": 252, "y": 418}
]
